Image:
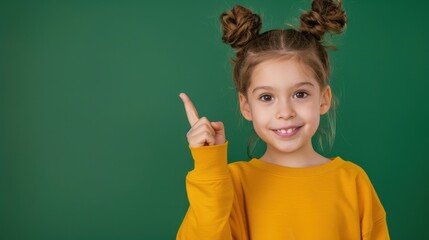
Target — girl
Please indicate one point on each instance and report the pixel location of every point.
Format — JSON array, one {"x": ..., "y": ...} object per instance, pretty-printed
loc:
[{"x": 291, "y": 192}]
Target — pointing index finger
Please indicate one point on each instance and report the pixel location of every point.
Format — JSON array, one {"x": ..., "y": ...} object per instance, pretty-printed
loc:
[{"x": 191, "y": 112}]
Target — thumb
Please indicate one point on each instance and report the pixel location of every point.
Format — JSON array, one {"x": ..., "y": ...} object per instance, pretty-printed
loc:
[
  {"x": 219, "y": 129},
  {"x": 217, "y": 126}
]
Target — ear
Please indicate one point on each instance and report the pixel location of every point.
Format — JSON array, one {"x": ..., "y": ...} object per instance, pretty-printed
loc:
[
  {"x": 325, "y": 103},
  {"x": 244, "y": 107}
]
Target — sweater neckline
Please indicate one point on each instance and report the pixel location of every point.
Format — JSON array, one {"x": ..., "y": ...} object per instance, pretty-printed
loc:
[{"x": 297, "y": 172}]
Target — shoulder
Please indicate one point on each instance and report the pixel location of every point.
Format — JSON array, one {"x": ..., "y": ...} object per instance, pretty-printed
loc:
[
  {"x": 363, "y": 182},
  {"x": 243, "y": 170},
  {"x": 356, "y": 176},
  {"x": 352, "y": 169},
  {"x": 239, "y": 166},
  {"x": 370, "y": 206}
]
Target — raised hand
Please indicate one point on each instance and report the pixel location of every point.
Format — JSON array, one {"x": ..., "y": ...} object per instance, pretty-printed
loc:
[{"x": 202, "y": 132}]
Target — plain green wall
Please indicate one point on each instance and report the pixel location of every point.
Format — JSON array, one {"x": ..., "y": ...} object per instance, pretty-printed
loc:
[{"x": 92, "y": 132}]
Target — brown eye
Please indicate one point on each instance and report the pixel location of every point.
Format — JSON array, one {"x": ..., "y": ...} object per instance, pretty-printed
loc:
[
  {"x": 266, "y": 98},
  {"x": 301, "y": 95}
]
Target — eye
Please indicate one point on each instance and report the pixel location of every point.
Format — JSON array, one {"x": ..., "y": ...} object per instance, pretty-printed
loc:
[
  {"x": 266, "y": 98},
  {"x": 301, "y": 95}
]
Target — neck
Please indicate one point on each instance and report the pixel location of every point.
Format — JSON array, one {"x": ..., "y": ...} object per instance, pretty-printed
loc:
[{"x": 303, "y": 157}]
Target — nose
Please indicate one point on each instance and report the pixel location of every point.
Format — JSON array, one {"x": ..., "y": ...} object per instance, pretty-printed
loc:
[{"x": 285, "y": 109}]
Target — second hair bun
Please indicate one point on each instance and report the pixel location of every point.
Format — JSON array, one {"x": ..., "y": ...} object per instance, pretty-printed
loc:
[{"x": 325, "y": 16}]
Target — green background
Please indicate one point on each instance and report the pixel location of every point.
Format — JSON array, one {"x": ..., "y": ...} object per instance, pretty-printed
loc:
[{"x": 92, "y": 132}]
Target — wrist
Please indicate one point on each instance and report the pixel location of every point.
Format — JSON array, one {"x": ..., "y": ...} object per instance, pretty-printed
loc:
[{"x": 210, "y": 159}]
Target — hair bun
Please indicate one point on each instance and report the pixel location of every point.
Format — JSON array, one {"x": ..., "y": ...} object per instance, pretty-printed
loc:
[
  {"x": 325, "y": 16},
  {"x": 239, "y": 27}
]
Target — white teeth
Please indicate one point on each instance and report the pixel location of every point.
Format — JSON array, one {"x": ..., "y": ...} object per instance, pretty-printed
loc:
[{"x": 286, "y": 131}]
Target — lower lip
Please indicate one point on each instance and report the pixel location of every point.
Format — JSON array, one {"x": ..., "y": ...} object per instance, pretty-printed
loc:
[{"x": 287, "y": 134}]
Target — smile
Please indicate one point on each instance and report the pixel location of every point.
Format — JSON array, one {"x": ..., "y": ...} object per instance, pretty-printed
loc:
[{"x": 286, "y": 132}]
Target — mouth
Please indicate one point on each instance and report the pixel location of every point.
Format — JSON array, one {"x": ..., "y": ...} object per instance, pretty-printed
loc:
[{"x": 286, "y": 132}]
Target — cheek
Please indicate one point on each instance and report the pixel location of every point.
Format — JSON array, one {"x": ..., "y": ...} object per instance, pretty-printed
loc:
[
  {"x": 312, "y": 118},
  {"x": 260, "y": 117},
  {"x": 310, "y": 113},
  {"x": 261, "y": 125}
]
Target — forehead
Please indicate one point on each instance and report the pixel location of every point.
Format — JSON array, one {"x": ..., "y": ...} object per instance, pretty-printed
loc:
[{"x": 281, "y": 73}]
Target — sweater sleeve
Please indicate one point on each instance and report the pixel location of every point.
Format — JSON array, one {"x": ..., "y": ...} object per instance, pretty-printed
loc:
[
  {"x": 373, "y": 215},
  {"x": 210, "y": 193}
]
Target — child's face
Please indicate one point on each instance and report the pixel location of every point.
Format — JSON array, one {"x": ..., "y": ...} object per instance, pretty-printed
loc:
[{"x": 284, "y": 102}]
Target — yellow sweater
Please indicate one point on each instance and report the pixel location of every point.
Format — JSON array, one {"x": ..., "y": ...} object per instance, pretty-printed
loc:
[{"x": 262, "y": 201}]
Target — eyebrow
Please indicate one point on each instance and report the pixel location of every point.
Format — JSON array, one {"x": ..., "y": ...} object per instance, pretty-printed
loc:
[
  {"x": 262, "y": 87},
  {"x": 270, "y": 88}
]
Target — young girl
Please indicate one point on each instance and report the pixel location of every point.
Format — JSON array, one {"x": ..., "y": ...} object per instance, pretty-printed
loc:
[{"x": 291, "y": 192}]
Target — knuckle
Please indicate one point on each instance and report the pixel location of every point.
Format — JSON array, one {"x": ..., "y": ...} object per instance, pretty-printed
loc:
[
  {"x": 204, "y": 119},
  {"x": 207, "y": 133},
  {"x": 207, "y": 127}
]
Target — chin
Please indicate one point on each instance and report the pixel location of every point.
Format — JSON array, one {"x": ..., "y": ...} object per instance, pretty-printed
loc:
[{"x": 285, "y": 149}]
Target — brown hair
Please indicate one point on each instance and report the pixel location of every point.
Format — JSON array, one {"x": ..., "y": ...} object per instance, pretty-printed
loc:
[{"x": 241, "y": 27}]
